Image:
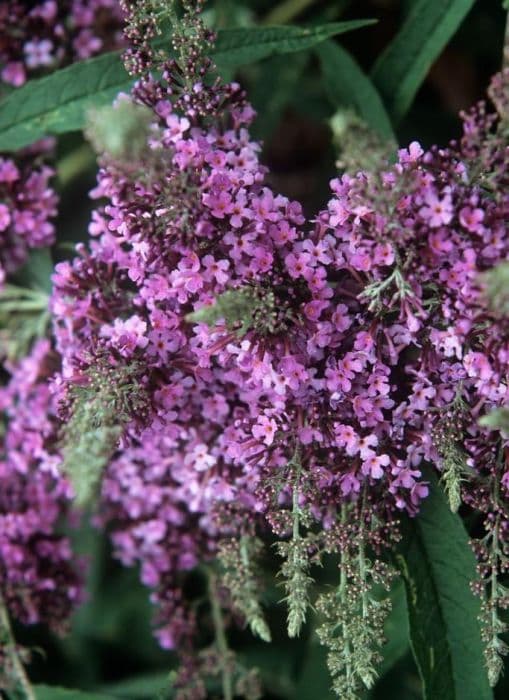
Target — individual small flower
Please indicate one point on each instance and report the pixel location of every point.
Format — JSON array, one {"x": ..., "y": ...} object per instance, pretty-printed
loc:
[
  {"x": 472, "y": 218},
  {"x": 374, "y": 465},
  {"x": 298, "y": 265},
  {"x": 38, "y": 53},
  {"x": 411, "y": 154},
  {"x": 265, "y": 430},
  {"x": 437, "y": 211},
  {"x": 216, "y": 269}
]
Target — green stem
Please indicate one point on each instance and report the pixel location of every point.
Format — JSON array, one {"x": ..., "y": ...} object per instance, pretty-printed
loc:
[
  {"x": 16, "y": 670},
  {"x": 221, "y": 641},
  {"x": 295, "y": 499},
  {"x": 494, "y": 567},
  {"x": 362, "y": 560},
  {"x": 343, "y": 583},
  {"x": 244, "y": 553}
]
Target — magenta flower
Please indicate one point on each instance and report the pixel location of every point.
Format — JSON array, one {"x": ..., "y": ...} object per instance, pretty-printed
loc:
[
  {"x": 436, "y": 211},
  {"x": 471, "y": 218},
  {"x": 373, "y": 465},
  {"x": 265, "y": 429}
]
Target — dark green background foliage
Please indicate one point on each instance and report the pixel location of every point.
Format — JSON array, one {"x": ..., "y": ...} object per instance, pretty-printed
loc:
[{"x": 406, "y": 75}]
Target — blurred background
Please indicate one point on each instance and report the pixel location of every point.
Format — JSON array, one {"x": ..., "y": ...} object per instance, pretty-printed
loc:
[{"x": 111, "y": 641}]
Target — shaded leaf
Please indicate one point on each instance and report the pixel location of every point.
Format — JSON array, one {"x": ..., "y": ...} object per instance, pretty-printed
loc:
[
  {"x": 146, "y": 687},
  {"x": 348, "y": 86},
  {"x": 36, "y": 272},
  {"x": 314, "y": 679},
  {"x": 58, "y": 102},
  {"x": 47, "y": 692},
  {"x": 438, "y": 566},
  {"x": 244, "y": 45},
  {"x": 278, "y": 82},
  {"x": 402, "y": 67},
  {"x": 396, "y": 630},
  {"x": 275, "y": 666}
]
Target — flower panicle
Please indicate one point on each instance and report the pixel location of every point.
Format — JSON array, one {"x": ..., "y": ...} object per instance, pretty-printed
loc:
[
  {"x": 99, "y": 407},
  {"x": 237, "y": 559}
]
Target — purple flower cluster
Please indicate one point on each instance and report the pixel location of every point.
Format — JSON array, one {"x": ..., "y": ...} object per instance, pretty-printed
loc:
[
  {"x": 39, "y": 578},
  {"x": 361, "y": 342},
  {"x": 151, "y": 507},
  {"x": 414, "y": 242},
  {"x": 34, "y": 41},
  {"x": 50, "y": 34},
  {"x": 27, "y": 205}
]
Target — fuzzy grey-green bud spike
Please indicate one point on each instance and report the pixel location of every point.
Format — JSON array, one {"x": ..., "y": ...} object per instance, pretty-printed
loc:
[
  {"x": 244, "y": 309},
  {"x": 295, "y": 554},
  {"x": 236, "y": 307},
  {"x": 120, "y": 130},
  {"x": 99, "y": 409},
  {"x": 496, "y": 420},
  {"x": 353, "y": 618},
  {"x": 359, "y": 147},
  {"x": 496, "y": 283},
  {"x": 236, "y": 558},
  {"x": 297, "y": 582}
]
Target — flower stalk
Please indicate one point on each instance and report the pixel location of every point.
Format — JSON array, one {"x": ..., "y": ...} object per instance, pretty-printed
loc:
[
  {"x": 14, "y": 669},
  {"x": 220, "y": 635}
]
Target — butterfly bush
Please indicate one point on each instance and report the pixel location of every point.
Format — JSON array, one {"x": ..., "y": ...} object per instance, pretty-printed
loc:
[
  {"x": 290, "y": 370},
  {"x": 230, "y": 370},
  {"x": 40, "y": 580}
]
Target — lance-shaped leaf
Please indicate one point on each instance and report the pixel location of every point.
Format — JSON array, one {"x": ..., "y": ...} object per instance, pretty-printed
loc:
[
  {"x": 401, "y": 68},
  {"x": 237, "y": 47},
  {"x": 438, "y": 566},
  {"x": 58, "y": 103},
  {"x": 348, "y": 86}
]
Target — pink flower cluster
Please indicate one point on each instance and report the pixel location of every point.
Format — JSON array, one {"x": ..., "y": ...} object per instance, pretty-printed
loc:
[
  {"x": 362, "y": 341},
  {"x": 152, "y": 507},
  {"x": 39, "y": 578},
  {"x": 27, "y": 205},
  {"x": 34, "y": 41},
  {"x": 50, "y": 34}
]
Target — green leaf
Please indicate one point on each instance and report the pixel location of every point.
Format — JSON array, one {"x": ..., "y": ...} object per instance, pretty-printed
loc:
[
  {"x": 47, "y": 692},
  {"x": 36, "y": 272},
  {"x": 146, "y": 687},
  {"x": 437, "y": 567},
  {"x": 314, "y": 680},
  {"x": 237, "y": 47},
  {"x": 275, "y": 664},
  {"x": 348, "y": 86},
  {"x": 278, "y": 81},
  {"x": 402, "y": 67},
  {"x": 58, "y": 102},
  {"x": 395, "y": 630}
]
